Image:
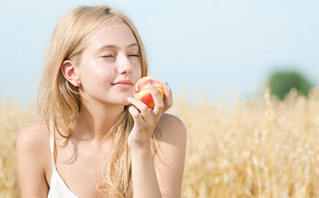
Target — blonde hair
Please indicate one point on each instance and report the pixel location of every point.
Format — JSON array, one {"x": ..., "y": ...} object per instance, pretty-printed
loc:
[{"x": 59, "y": 99}]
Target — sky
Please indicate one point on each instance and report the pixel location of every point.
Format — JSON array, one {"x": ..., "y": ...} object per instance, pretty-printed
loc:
[{"x": 217, "y": 47}]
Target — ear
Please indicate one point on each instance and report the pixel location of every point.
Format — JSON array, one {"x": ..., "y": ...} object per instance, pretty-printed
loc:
[{"x": 70, "y": 74}]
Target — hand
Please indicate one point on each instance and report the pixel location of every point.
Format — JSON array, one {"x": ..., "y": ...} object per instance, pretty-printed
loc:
[{"x": 145, "y": 119}]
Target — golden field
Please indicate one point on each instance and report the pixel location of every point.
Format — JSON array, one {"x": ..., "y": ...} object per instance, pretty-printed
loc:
[{"x": 261, "y": 147}]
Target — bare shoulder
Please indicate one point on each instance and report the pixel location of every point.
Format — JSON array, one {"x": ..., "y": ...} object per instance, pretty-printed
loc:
[
  {"x": 171, "y": 120},
  {"x": 33, "y": 154},
  {"x": 34, "y": 138},
  {"x": 172, "y": 129}
]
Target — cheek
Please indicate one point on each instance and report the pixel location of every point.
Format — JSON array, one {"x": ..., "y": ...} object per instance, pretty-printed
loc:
[
  {"x": 139, "y": 73},
  {"x": 94, "y": 75},
  {"x": 138, "y": 70}
]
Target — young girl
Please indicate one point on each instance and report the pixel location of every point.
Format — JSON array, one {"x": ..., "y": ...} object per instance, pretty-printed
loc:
[{"x": 96, "y": 140}]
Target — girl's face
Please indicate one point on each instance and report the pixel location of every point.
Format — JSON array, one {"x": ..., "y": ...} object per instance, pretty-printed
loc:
[{"x": 110, "y": 65}]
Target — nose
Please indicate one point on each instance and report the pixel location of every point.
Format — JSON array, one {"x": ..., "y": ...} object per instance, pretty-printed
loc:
[{"x": 124, "y": 64}]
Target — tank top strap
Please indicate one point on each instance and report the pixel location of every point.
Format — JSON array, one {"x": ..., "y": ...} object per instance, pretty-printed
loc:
[{"x": 52, "y": 143}]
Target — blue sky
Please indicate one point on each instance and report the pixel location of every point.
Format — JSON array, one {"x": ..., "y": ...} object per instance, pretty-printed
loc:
[{"x": 220, "y": 46}]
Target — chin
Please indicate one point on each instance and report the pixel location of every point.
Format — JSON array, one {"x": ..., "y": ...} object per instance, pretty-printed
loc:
[{"x": 123, "y": 100}]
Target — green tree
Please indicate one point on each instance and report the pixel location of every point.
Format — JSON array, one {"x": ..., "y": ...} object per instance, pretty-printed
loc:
[{"x": 281, "y": 82}]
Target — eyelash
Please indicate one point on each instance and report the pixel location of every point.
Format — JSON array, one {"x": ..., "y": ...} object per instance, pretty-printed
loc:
[
  {"x": 107, "y": 56},
  {"x": 130, "y": 55},
  {"x": 134, "y": 55}
]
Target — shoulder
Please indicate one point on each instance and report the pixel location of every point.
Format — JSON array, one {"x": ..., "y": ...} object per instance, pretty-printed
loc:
[
  {"x": 33, "y": 139},
  {"x": 34, "y": 133},
  {"x": 33, "y": 154},
  {"x": 172, "y": 129},
  {"x": 170, "y": 120}
]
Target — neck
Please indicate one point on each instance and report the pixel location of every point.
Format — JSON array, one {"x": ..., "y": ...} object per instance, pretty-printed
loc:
[{"x": 96, "y": 120}]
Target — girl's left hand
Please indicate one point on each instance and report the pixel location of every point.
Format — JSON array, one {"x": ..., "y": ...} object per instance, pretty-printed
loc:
[{"x": 145, "y": 119}]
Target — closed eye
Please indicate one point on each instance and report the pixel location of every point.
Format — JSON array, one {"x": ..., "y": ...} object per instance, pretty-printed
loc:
[
  {"x": 133, "y": 55},
  {"x": 107, "y": 56}
]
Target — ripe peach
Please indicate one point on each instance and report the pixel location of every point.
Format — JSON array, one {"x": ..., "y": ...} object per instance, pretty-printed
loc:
[{"x": 142, "y": 91}]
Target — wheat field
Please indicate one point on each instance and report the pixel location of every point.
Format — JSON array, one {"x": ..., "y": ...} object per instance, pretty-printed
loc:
[{"x": 259, "y": 147}]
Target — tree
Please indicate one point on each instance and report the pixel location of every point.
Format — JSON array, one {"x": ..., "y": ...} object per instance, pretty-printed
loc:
[{"x": 281, "y": 82}]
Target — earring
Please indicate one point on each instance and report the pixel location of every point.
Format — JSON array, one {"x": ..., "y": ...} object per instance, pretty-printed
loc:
[{"x": 77, "y": 84}]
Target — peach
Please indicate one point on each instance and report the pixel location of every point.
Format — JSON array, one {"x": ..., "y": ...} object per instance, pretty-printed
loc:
[{"x": 142, "y": 91}]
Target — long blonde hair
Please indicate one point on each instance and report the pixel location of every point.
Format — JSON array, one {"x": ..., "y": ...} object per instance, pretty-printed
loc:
[{"x": 59, "y": 99}]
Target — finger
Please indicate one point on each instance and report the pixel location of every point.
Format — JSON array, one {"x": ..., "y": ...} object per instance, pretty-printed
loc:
[
  {"x": 168, "y": 97},
  {"x": 137, "y": 117},
  {"x": 159, "y": 103},
  {"x": 140, "y": 106},
  {"x": 143, "y": 115}
]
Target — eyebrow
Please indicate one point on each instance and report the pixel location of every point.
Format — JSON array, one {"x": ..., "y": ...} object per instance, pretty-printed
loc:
[{"x": 115, "y": 47}]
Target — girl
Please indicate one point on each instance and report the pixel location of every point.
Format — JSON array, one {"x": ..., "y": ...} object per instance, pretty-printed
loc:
[{"x": 96, "y": 140}]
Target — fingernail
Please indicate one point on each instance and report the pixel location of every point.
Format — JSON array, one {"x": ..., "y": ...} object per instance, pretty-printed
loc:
[
  {"x": 167, "y": 86},
  {"x": 128, "y": 98},
  {"x": 150, "y": 85}
]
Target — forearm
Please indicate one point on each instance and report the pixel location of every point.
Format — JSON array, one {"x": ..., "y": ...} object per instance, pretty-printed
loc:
[{"x": 143, "y": 174}]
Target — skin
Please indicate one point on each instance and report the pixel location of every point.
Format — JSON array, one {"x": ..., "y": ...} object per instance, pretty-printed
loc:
[{"x": 109, "y": 58}]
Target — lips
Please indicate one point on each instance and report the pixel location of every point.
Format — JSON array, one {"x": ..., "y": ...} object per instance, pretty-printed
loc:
[{"x": 123, "y": 84}]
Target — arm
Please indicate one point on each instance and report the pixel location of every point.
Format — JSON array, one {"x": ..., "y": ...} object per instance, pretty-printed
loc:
[
  {"x": 143, "y": 173},
  {"x": 147, "y": 178},
  {"x": 163, "y": 176},
  {"x": 30, "y": 162},
  {"x": 170, "y": 159}
]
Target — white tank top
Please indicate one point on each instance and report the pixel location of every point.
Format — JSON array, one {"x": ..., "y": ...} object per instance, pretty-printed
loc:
[{"x": 58, "y": 188}]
